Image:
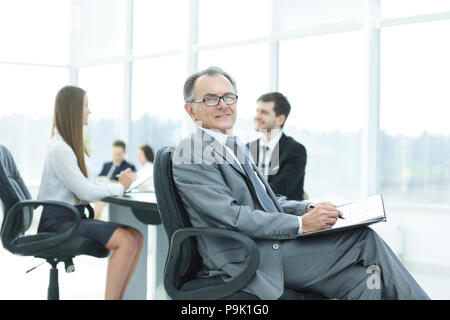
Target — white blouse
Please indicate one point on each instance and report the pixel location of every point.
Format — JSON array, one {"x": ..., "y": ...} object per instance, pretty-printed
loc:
[
  {"x": 62, "y": 178},
  {"x": 146, "y": 170}
]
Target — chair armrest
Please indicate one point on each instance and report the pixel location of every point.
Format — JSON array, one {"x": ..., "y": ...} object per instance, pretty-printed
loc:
[
  {"x": 88, "y": 207},
  {"x": 217, "y": 291},
  {"x": 7, "y": 231}
]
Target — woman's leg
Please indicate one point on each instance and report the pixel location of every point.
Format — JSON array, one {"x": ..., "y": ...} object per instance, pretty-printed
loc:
[
  {"x": 139, "y": 240},
  {"x": 98, "y": 207},
  {"x": 125, "y": 246}
]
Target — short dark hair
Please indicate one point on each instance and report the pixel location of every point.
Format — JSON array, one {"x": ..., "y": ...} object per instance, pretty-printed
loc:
[
  {"x": 281, "y": 106},
  {"x": 120, "y": 143},
  {"x": 188, "y": 89},
  {"x": 148, "y": 152}
]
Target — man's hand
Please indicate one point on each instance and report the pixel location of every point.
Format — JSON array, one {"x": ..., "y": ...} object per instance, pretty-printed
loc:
[{"x": 320, "y": 216}]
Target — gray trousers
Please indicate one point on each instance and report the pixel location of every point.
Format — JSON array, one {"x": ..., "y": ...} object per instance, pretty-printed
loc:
[{"x": 353, "y": 264}]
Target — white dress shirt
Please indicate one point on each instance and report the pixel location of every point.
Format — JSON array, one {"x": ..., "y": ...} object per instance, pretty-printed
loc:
[
  {"x": 146, "y": 170},
  {"x": 269, "y": 146},
  {"x": 62, "y": 179},
  {"x": 222, "y": 138}
]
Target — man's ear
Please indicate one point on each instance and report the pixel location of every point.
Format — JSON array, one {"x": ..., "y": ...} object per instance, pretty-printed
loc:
[
  {"x": 281, "y": 119},
  {"x": 190, "y": 111}
]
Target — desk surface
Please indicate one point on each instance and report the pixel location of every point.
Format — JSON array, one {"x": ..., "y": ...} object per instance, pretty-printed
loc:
[
  {"x": 142, "y": 204},
  {"x": 136, "y": 200}
]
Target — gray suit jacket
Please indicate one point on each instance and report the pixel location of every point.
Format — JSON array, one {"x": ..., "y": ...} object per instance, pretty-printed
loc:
[{"x": 215, "y": 192}]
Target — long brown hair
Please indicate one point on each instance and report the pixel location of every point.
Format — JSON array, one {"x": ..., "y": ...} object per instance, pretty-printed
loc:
[{"x": 68, "y": 120}]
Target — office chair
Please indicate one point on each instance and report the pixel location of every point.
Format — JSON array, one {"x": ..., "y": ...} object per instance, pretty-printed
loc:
[
  {"x": 18, "y": 210},
  {"x": 183, "y": 260}
]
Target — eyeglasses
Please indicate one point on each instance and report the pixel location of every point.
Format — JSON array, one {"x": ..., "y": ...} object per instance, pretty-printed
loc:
[{"x": 213, "y": 101}]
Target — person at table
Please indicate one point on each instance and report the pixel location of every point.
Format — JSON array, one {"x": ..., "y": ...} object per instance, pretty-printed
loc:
[
  {"x": 68, "y": 176},
  {"x": 146, "y": 158},
  {"x": 111, "y": 169}
]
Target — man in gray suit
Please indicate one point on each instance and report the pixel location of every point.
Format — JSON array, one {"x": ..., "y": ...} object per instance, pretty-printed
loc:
[{"x": 220, "y": 188}]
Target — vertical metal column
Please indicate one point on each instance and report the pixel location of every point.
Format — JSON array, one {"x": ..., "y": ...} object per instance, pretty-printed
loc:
[
  {"x": 371, "y": 168},
  {"x": 274, "y": 52},
  {"x": 125, "y": 123}
]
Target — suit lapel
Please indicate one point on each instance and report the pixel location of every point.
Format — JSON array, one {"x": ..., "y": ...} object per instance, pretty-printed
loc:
[{"x": 220, "y": 150}]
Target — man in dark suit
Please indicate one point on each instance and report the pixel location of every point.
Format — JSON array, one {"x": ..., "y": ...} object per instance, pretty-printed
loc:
[
  {"x": 279, "y": 157},
  {"x": 111, "y": 169}
]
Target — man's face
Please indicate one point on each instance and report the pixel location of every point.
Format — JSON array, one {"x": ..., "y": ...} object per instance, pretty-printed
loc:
[
  {"x": 265, "y": 118},
  {"x": 118, "y": 154},
  {"x": 222, "y": 117}
]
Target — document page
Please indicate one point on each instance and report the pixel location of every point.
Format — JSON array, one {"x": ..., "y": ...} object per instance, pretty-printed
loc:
[
  {"x": 356, "y": 214},
  {"x": 139, "y": 181},
  {"x": 368, "y": 209}
]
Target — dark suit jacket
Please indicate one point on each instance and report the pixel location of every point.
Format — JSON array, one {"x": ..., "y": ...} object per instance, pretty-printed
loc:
[
  {"x": 287, "y": 167},
  {"x": 123, "y": 166}
]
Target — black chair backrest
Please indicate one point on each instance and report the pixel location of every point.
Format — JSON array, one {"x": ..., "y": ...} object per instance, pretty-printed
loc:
[
  {"x": 13, "y": 190},
  {"x": 173, "y": 215}
]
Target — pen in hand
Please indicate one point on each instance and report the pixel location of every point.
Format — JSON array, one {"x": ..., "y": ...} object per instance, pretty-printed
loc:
[{"x": 312, "y": 207}]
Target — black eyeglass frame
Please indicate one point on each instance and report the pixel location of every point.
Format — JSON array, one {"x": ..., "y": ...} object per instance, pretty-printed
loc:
[{"x": 218, "y": 101}]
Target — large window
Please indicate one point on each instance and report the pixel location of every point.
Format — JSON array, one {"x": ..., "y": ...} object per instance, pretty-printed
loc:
[
  {"x": 26, "y": 113},
  {"x": 34, "y": 53},
  {"x": 403, "y": 8},
  {"x": 98, "y": 30},
  {"x": 152, "y": 16},
  {"x": 415, "y": 75},
  {"x": 35, "y": 31},
  {"x": 104, "y": 86},
  {"x": 323, "y": 78},
  {"x": 233, "y": 20},
  {"x": 248, "y": 65},
  {"x": 297, "y": 14},
  {"x": 157, "y": 102}
]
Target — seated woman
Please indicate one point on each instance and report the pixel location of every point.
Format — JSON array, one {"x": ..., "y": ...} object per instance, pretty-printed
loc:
[
  {"x": 146, "y": 158},
  {"x": 68, "y": 176}
]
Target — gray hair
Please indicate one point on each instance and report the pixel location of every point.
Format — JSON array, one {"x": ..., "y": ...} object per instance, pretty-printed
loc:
[{"x": 188, "y": 90}]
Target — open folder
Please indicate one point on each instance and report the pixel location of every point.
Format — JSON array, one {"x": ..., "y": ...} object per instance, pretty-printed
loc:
[{"x": 357, "y": 214}]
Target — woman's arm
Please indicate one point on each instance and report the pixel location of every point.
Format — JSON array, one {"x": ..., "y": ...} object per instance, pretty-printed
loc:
[{"x": 65, "y": 165}]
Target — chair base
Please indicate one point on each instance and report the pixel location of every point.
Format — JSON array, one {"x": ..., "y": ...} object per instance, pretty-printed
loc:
[
  {"x": 53, "y": 286},
  {"x": 53, "y": 283}
]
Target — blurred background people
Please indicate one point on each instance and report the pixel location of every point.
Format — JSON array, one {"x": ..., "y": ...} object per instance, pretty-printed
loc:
[
  {"x": 146, "y": 158},
  {"x": 111, "y": 170},
  {"x": 280, "y": 158}
]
